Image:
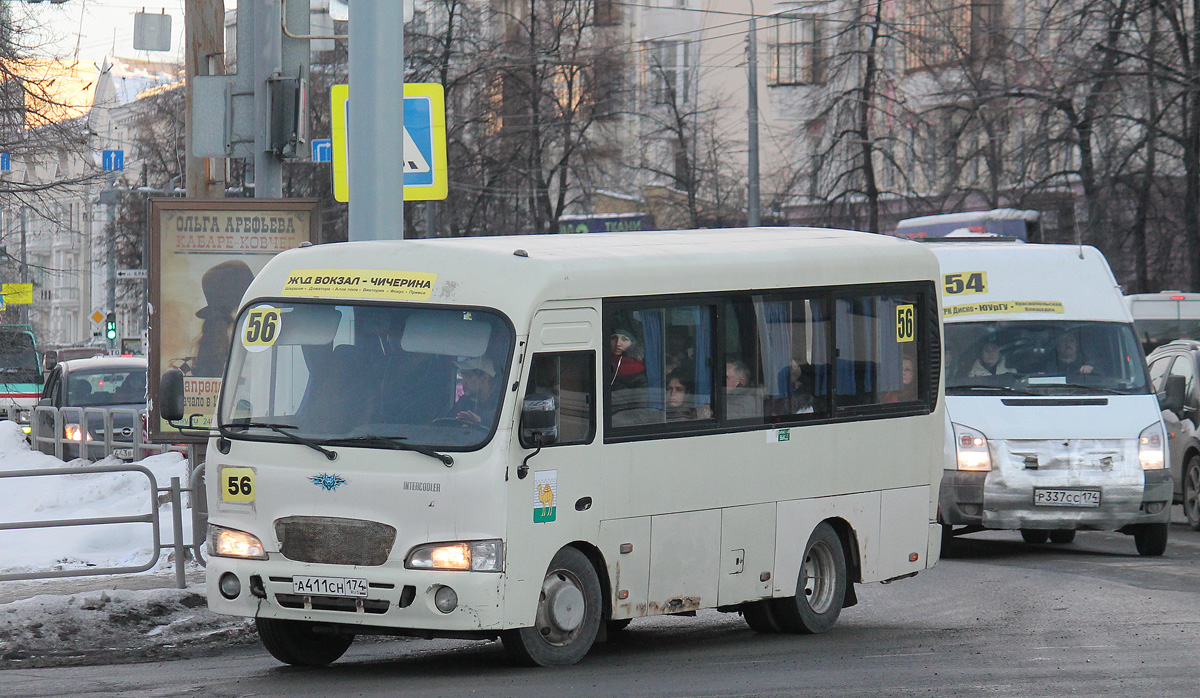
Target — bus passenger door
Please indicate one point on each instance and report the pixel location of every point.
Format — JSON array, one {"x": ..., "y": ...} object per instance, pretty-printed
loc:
[{"x": 554, "y": 493}]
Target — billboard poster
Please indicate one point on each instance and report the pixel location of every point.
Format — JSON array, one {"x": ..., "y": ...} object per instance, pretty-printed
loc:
[{"x": 204, "y": 254}]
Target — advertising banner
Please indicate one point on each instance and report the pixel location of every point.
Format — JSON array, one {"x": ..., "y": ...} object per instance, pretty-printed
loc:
[{"x": 203, "y": 256}]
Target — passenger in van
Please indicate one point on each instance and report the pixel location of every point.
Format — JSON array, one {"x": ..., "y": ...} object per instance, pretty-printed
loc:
[
  {"x": 908, "y": 383},
  {"x": 1068, "y": 359},
  {"x": 741, "y": 399},
  {"x": 479, "y": 399},
  {"x": 680, "y": 400},
  {"x": 990, "y": 362},
  {"x": 628, "y": 370}
]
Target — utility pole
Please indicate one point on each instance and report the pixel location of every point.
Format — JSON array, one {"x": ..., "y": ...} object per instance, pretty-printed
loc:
[
  {"x": 753, "y": 217},
  {"x": 204, "y": 54},
  {"x": 376, "y": 121}
]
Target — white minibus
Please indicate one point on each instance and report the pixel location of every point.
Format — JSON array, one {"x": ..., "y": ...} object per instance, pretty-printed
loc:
[
  {"x": 540, "y": 438},
  {"x": 1056, "y": 428},
  {"x": 1164, "y": 317}
]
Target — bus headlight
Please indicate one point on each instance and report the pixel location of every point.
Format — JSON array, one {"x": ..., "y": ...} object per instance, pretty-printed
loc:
[
  {"x": 972, "y": 448},
  {"x": 1150, "y": 447},
  {"x": 473, "y": 555},
  {"x": 228, "y": 542}
]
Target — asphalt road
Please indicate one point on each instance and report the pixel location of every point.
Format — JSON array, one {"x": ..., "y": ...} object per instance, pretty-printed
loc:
[{"x": 1001, "y": 618}]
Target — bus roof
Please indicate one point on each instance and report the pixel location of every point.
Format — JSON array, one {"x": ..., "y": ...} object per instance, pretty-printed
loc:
[
  {"x": 1030, "y": 282},
  {"x": 521, "y": 272}
]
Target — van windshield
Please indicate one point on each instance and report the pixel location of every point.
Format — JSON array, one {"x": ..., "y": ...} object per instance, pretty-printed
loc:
[
  {"x": 375, "y": 374},
  {"x": 1043, "y": 358}
]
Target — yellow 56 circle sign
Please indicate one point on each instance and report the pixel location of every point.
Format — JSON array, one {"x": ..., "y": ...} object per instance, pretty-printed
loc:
[{"x": 261, "y": 328}]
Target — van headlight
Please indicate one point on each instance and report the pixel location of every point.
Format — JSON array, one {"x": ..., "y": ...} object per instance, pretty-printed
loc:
[
  {"x": 473, "y": 555},
  {"x": 972, "y": 448},
  {"x": 1150, "y": 447},
  {"x": 230, "y": 542}
]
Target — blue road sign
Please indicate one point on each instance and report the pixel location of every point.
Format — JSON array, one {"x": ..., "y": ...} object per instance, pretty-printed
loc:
[
  {"x": 322, "y": 150},
  {"x": 5, "y": 162},
  {"x": 114, "y": 160},
  {"x": 418, "y": 142}
]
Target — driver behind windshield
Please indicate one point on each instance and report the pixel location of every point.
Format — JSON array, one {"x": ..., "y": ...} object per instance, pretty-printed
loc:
[
  {"x": 479, "y": 400},
  {"x": 1067, "y": 359}
]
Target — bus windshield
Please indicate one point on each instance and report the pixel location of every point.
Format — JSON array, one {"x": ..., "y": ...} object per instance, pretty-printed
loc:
[
  {"x": 1043, "y": 358},
  {"x": 366, "y": 375},
  {"x": 18, "y": 357}
]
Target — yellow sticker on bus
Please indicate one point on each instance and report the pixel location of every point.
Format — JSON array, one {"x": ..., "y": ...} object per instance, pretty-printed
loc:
[
  {"x": 1002, "y": 307},
  {"x": 360, "y": 283},
  {"x": 964, "y": 282},
  {"x": 906, "y": 325},
  {"x": 237, "y": 484}
]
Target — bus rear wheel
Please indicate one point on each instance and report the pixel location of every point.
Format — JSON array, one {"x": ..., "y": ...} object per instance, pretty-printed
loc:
[
  {"x": 1035, "y": 536},
  {"x": 820, "y": 589},
  {"x": 568, "y": 615},
  {"x": 760, "y": 616},
  {"x": 296, "y": 642}
]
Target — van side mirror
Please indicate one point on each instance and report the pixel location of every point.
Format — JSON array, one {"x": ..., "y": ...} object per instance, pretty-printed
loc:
[
  {"x": 170, "y": 395},
  {"x": 1173, "y": 399},
  {"x": 539, "y": 420},
  {"x": 49, "y": 360}
]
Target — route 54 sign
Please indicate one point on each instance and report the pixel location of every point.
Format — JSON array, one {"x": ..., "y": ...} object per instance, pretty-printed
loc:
[{"x": 424, "y": 142}]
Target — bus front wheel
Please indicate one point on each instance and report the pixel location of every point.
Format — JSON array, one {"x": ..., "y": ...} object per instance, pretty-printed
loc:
[
  {"x": 568, "y": 615},
  {"x": 820, "y": 589},
  {"x": 296, "y": 642},
  {"x": 1151, "y": 539}
]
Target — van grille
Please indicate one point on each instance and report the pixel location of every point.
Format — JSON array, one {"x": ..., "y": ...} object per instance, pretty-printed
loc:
[{"x": 334, "y": 541}]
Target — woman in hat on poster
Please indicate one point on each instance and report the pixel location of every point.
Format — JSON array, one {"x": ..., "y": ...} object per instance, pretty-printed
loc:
[{"x": 223, "y": 287}]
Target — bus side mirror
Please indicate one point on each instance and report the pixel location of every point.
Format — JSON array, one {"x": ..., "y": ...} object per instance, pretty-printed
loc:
[
  {"x": 49, "y": 360},
  {"x": 1173, "y": 399},
  {"x": 170, "y": 395},
  {"x": 539, "y": 420}
]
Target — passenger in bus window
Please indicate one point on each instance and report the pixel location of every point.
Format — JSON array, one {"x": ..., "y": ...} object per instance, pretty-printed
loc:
[
  {"x": 803, "y": 379},
  {"x": 1068, "y": 359},
  {"x": 908, "y": 383},
  {"x": 990, "y": 361},
  {"x": 741, "y": 399},
  {"x": 680, "y": 400},
  {"x": 479, "y": 400},
  {"x": 628, "y": 370}
]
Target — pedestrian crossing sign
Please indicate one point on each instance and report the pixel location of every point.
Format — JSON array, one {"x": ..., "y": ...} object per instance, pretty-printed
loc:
[{"x": 424, "y": 137}]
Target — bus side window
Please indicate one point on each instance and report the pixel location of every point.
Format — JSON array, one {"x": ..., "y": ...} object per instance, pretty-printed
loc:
[
  {"x": 571, "y": 378},
  {"x": 878, "y": 349}
]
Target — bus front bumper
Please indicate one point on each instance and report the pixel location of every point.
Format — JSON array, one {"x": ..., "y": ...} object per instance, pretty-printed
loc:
[{"x": 396, "y": 598}]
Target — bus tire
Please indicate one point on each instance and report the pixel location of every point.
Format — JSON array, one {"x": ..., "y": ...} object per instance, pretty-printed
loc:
[
  {"x": 820, "y": 588},
  {"x": 1191, "y": 492},
  {"x": 295, "y": 642},
  {"x": 1151, "y": 539},
  {"x": 568, "y": 615},
  {"x": 1035, "y": 536},
  {"x": 760, "y": 616},
  {"x": 1062, "y": 537}
]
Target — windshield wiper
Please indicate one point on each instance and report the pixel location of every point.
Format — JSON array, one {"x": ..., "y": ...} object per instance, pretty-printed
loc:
[
  {"x": 396, "y": 443},
  {"x": 281, "y": 429},
  {"x": 996, "y": 388}
]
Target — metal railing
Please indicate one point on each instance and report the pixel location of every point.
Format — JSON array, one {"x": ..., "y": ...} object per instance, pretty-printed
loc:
[
  {"x": 175, "y": 494},
  {"x": 48, "y": 433}
]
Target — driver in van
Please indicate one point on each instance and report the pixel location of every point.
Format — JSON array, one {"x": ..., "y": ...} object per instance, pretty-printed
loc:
[
  {"x": 1067, "y": 357},
  {"x": 479, "y": 400}
]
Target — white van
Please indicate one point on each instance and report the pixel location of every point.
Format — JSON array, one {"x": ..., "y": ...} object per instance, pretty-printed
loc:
[
  {"x": 540, "y": 438},
  {"x": 1056, "y": 428},
  {"x": 1164, "y": 317}
]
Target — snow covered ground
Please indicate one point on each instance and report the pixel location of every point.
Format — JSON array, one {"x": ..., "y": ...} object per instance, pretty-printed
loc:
[{"x": 94, "y": 618}]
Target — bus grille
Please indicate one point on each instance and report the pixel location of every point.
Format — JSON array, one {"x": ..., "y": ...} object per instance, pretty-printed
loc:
[{"x": 334, "y": 541}]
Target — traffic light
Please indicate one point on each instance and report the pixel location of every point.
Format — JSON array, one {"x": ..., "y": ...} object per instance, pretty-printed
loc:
[{"x": 110, "y": 326}]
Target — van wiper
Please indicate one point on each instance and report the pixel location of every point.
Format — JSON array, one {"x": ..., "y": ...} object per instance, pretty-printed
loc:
[
  {"x": 281, "y": 429},
  {"x": 991, "y": 388},
  {"x": 1080, "y": 386},
  {"x": 396, "y": 443}
]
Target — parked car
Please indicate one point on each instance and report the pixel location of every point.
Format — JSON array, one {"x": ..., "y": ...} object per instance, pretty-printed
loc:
[
  {"x": 92, "y": 387},
  {"x": 1173, "y": 371}
]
